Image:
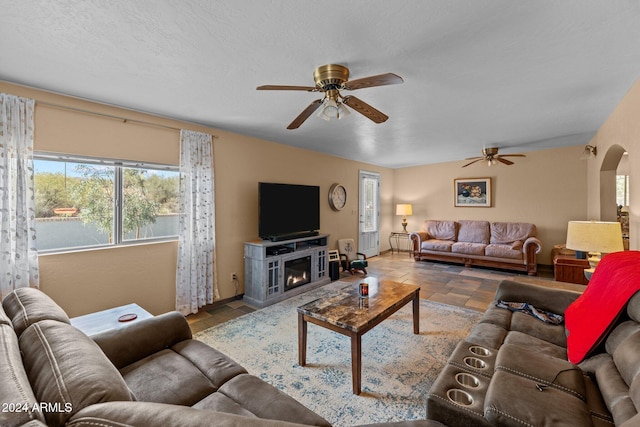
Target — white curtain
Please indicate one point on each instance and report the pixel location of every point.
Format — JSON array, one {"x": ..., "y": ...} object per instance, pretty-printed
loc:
[
  {"x": 196, "y": 285},
  {"x": 19, "y": 266}
]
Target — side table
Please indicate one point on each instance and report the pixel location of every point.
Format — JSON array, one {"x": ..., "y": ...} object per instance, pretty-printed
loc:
[
  {"x": 568, "y": 268},
  {"x": 105, "y": 320},
  {"x": 397, "y": 236}
]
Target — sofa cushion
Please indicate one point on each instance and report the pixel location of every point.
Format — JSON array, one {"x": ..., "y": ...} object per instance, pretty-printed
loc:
[
  {"x": 614, "y": 390},
  {"x": 512, "y": 250},
  {"x": 167, "y": 377},
  {"x": 541, "y": 346},
  {"x": 633, "y": 307},
  {"x": 513, "y": 400},
  {"x": 26, "y": 306},
  {"x": 468, "y": 248},
  {"x": 266, "y": 401},
  {"x": 441, "y": 230},
  {"x": 592, "y": 315},
  {"x": 534, "y": 327},
  {"x": 184, "y": 374},
  {"x": 437, "y": 245},
  {"x": 474, "y": 231},
  {"x": 548, "y": 371},
  {"x": 619, "y": 334},
  {"x": 216, "y": 366},
  {"x": 508, "y": 232},
  {"x": 68, "y": 370},
  {"x": 15, "y": 388}
]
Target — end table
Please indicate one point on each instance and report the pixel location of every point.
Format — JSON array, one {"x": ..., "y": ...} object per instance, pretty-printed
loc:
[
  {"x": 568, "y": 268},
  {"x": 105, "y": 320},
  {"x": 397, "y": 236}
]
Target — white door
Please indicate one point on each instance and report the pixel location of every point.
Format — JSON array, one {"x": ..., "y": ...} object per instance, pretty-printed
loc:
[{"x": 369, "y": 233}]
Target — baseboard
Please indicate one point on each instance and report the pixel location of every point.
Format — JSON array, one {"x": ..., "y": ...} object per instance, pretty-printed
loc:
[{"x": 221, "y": 302}]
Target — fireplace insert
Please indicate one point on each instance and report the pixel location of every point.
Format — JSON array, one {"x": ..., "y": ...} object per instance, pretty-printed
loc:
[{"x": 297, "y": 272}]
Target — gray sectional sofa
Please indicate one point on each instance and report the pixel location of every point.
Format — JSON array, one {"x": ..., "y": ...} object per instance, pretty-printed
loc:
[
  {"x": 506, "y": 245},
  {"x": 514, "y": 370},
  {"x": 150, "y": 373}
]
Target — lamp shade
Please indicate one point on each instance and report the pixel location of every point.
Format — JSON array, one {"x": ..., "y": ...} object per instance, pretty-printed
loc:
[
  {"x": 404, "y": 209},
  {"x": 594, "y": 236}
]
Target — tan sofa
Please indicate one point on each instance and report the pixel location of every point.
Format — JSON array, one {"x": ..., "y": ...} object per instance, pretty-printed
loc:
[
  {"x": 507, "y": 245},
  {"x": 149, "y": 373}
]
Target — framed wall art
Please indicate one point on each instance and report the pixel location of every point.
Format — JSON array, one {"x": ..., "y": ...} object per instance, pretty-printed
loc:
[{"x": 472, "y": 192}]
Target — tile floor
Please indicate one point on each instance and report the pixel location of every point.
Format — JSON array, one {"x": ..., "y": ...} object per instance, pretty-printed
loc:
[{"x": 451, "y": 284}]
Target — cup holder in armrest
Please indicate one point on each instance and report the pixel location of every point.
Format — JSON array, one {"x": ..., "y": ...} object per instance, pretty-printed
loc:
[
  {"x": 458, "y": 394},
  {"x": 459, "y": 397},
  {"x": 477, "y": 359},
  {"x": 480, "y": 351},
  {"x": 467, "y": 380},
  {"x": 475, "y": 363}
]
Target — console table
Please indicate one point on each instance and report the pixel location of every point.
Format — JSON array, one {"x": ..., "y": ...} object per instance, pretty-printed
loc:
[{"x": 275, "y": 271}]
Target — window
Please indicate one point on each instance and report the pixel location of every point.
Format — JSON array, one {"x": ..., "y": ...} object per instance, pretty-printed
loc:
[
  {"x": 84, "y": 202},
  {"x": 622, "y": 190},
  {"x": 370, "y": 205}
]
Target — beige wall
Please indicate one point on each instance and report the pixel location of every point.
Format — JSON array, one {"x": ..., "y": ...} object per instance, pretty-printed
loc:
[
  {"x": 620, "y": 132},
  {"x": 87, "y": 281},
  {"x": 242, "y": 162},
  {"x": 547, "y": 188}
]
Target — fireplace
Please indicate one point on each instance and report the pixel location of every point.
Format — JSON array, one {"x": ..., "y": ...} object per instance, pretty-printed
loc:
[{"x": 297, "y": 272}]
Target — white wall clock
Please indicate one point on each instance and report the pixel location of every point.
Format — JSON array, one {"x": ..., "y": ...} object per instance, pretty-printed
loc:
[{"x": 337, "y": 197}]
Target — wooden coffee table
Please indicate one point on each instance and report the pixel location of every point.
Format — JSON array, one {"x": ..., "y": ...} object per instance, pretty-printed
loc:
[{"x": 350, "y": 315}]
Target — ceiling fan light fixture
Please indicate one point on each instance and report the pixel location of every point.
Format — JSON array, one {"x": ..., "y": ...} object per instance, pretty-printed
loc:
[
  {"x": 343, "y": 111},
  {"x": 332, "y": 109}
]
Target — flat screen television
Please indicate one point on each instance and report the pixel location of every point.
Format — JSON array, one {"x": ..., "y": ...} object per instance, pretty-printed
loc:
[{"x": 288, "y": 210}]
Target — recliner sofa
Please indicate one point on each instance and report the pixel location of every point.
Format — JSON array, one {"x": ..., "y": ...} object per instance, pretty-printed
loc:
[
  {"x": 515, "y": 370},
  {"x": 149, "y": 373}
]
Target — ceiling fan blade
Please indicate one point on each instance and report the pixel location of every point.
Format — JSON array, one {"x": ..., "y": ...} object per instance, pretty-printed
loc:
[
  {"x": 474, "y": 158},
  {"x": 365, "y": 109},
  {"x": 379, "y": 80},
  {"x": 505, "y": 161},
  {"x": 470, "y": 163},
  {"x": 276, "y": 87},
  {"x": 512, "y": 155},
  {"x": 295, "y": 124}
]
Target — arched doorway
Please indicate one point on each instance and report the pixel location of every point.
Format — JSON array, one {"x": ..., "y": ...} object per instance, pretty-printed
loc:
[{"x": 612, "y": 165}]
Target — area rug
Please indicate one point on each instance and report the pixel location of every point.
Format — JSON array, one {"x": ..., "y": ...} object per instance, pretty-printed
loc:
[{"x": 398, "y": 367}]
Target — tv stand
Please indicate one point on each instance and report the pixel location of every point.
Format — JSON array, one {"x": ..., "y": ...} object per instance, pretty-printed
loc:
[
  {"x": 291, "y": 236},
  {"x": 266, "y": 268}
]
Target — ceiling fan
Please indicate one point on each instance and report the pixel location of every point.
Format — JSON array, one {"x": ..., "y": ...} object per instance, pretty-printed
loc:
[
  {"x": 491, "y": 156},
  {"x": 331, "y": 79}
]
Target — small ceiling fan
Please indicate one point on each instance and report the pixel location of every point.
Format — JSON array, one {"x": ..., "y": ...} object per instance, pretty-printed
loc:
[
  {"x": 331, "y": 79},
  {"x": 491, "y": 156}
]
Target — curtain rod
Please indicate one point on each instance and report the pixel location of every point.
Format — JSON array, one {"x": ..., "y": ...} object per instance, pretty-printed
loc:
[{"x": 110, "y": 116}]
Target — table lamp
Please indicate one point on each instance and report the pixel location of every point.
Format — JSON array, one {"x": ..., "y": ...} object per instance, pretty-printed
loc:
[
  {"x": 404, "y": 210},
  {"x": 594, "y": 237}
]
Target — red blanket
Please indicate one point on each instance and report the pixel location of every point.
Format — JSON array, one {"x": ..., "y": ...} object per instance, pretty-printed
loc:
[{"x": 590, "y": 317}]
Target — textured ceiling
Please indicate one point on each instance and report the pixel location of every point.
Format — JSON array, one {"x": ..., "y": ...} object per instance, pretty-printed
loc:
[{"x": 520, "y": 75}]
